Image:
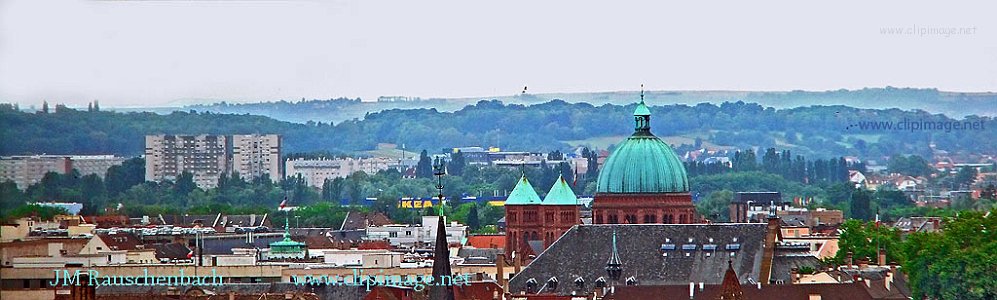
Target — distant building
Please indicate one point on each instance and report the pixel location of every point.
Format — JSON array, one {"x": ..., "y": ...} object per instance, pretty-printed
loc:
[
  {"x": 316, "y": 171},
  {"x": 532, "y": 224},
  {"x": 204, "y": 156},
  {"x": 409, "y": 235},
  {"x": 254, "y": 155},
  {"x": 744, "y": 202},
  {"x": 27, "y": 170}
]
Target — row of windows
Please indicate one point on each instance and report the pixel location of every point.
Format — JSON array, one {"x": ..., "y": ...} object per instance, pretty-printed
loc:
[{"x": 648, "y": 219}]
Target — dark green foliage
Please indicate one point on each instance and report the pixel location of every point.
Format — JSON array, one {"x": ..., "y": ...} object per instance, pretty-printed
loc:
[
  {"x": 956, "y": 263},
  {"x": 424, "y": 169},
  {"x": 913, "y": 165},
  {"x": 822, "y": 130}
]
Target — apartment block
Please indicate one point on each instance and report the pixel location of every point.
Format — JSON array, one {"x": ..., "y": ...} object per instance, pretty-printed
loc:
[
  {"x": 27, "y": 170},
  {"x": 204, "y": 156},
  {"x": 255, "y": 155},
  {"x": 316, "y": 171}
]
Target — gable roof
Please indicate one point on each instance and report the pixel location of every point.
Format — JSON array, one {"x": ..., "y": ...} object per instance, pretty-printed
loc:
[
  {"x": 486, "y": 241},
  {"x": 523, "y": 194},
  {"x": 560, "y": 194},
  {"x": 584, "y": 250},
  {"x": 120, "y": 241}
]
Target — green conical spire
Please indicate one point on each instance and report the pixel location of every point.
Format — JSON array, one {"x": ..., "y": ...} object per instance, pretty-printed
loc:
[
  {"x": 523, "y": 194},
  {"x": 560, "y": 194}
]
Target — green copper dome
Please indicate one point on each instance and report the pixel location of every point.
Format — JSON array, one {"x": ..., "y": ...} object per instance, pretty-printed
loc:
[
  {"x": 642, "y": 163},
  {"x": 560, "y": 194},
  {"x": 523, "y": 194}
]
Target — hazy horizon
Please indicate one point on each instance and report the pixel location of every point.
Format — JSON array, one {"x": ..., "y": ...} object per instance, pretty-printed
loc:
[{"x": 171, "y": 53}]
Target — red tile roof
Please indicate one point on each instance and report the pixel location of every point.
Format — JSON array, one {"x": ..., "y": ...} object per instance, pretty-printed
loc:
[{"x": 486, "y": 241}]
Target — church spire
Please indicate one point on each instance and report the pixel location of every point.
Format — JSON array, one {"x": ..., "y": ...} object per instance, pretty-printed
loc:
[
  {"x": 614, "y": 268},
  {"x": 441, "y": 253},
  {"x": 730, "y": 289}
]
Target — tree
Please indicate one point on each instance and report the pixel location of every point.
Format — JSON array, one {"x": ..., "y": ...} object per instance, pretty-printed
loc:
[
  {"x": 92, "y": 190},
  {"x": 864, "y": 239},
  {"x": 716, "y": 206},
  {"x": 120, "y": 178},
  {"x": 184, "y": 185},
  {"x": 860, "y": 204},
  {"x": 956, "y": 262},
  {"x": 473, "y": 222},
  {"x": 457, "y": 164},
  {"x": 44, "y": 107},
  {"x": 424, "y": 169},
  {"x": 965, "y": 177}
]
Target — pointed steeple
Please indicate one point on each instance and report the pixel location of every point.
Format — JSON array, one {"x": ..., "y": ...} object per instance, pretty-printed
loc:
[
  {"x": 441, "y": 263},
  {"x": 614, "y": 267},
  {"x": 560, "y": 194},
  {"x": 523, "y": 194},
  {"x": 730, "y": 289}
]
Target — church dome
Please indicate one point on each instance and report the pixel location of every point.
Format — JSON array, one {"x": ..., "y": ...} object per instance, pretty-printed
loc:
[{"x": 643, "y": 163}]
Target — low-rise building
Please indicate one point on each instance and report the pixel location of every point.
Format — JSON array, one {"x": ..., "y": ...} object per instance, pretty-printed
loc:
[{"x": 409, "y": 235}]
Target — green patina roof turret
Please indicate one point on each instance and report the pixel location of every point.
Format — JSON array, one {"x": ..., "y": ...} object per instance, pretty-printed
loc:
[
  {"x": 523, "y": 194},
  {"x": 560, "y": 194},
  {"x": 287, "y": 245},
  {"x": 642, "y": 163}
]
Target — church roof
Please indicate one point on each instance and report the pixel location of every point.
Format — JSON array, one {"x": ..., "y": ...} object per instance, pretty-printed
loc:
[
  {"x": 643, "y": 163},
  {"x": 654, "y": 254},
  {"x": 560, "y": 194},
  {"x": 523, "y": 194}
]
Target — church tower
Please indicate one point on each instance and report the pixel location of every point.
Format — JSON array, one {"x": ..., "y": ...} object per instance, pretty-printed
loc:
[{"x": 643, "y": 181}]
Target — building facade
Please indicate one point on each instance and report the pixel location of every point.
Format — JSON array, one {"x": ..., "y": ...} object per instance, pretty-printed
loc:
[
  {"x": 204, "y": 156},
  {"x": 27, "y": 170},
  {"x": 532, "y": 225},
  {"x": 643, "y": 181},
  {"x": 316, "y": 171},
  {"x": 255, "y": 155}
]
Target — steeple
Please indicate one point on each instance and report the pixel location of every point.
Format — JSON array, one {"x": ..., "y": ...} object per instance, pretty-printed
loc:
[
  {"x": 441, "y": 253},
  {"x": 642, "y": 115},
  {"x": 523, "y": 194},
  {"x": 560, "y": 194},
  {"x": 730, "y": 289},
  {"x": 614, "y": 268}
]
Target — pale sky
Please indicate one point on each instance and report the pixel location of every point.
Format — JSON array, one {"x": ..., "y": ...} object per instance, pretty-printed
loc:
[{"x": 156, "y": 53}]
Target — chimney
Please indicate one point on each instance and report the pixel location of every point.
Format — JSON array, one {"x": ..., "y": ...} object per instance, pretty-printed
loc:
[
  {"x": 768, "y": 254},
  {"x": 701, "y": 286},
  {"x": 848, "y": 259},
  {"x": 882, "y": 257},
  {"x": 794, "y": 276},
  {"x": 500, "y": 270},
  {"x": 863, "y": 263},
  {"x": 889, "y": 280},
  {"x": 692, "y": 290},
  {"x": 518, "y": 263}
]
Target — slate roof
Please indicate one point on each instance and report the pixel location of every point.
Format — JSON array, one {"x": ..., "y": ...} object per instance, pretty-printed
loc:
[
  {"x": 225, "y": 244},
  {"x": 584, "y": 250},
  {"x": 121, "y": 241},
  {"x": 783, "y": 264},
  {"x": 172, "y": 251},
  {"x": 827, "y": 291},
  {"x": 360, "y": 220}
]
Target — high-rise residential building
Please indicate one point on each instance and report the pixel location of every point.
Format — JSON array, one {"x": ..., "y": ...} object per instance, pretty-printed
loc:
[
  {"x": 254, "y": 155},
  {"x": 204, "y": 156},
  {"x": 30, "y": 169}
]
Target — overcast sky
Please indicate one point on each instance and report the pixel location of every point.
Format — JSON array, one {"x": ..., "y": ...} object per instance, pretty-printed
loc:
[{"x": 153, "y": 53}]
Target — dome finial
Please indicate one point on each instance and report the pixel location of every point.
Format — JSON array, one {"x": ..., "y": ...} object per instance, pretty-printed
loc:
[{"x": 641, "y": 93}]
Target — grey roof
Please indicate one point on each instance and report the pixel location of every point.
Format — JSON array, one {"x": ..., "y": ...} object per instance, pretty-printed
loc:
[
  {"x": 322, "y": 291},
  {"x": 225, "y": 244},
  {"x": 584, "y": 250},
  {"x": 488, "y": 253},
  {"x": 783, "y": 264}
]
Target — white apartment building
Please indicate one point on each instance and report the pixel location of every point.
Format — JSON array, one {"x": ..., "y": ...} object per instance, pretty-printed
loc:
[
  {"x": 316, "y": 171},
  {"x": 408, "y": 235},
  {"x": 27, "y": 170},
  {"x": 204, "y": 156},
  {"x": 254, "y": 155}
]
